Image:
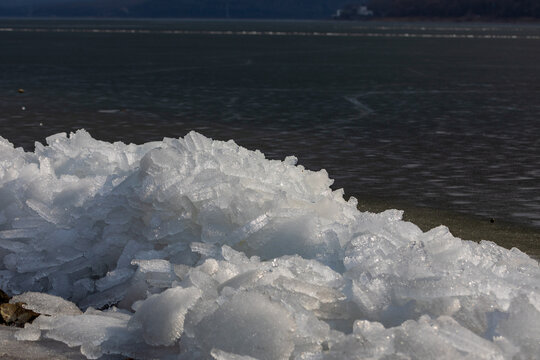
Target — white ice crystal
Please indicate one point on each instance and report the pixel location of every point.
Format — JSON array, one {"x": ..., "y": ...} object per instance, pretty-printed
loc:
[{"x": 204, "y": 249}]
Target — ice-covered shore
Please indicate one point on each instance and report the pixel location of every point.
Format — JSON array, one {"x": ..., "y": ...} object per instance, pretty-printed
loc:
[{"x": 209, "y": 250}]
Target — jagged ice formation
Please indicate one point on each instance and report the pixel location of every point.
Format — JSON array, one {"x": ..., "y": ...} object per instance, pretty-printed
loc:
[{"x": 202, "y": 249}]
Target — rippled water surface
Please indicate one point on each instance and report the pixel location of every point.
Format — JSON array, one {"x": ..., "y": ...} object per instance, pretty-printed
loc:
[{"x": 439, "y": 115}]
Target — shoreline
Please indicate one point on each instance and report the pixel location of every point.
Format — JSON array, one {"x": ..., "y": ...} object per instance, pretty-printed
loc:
[
  {"x": 465, "y": 226},
  {"x": 464, "y": 19}
]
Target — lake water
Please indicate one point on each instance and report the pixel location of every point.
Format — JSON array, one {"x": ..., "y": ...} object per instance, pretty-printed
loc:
[{"x": 434, "y": 115}]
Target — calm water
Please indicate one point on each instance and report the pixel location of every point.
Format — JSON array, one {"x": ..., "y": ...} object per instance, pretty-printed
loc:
[{"x": 437, "y": 115}]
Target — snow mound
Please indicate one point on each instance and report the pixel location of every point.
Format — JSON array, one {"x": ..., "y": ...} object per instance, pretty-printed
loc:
[{"x": 205, "y": 250}]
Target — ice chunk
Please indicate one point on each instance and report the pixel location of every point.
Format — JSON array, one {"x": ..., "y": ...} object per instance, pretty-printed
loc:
[
  {"x": 443, "y": 339},
  {"x": 161, "y": 317},
  {"x": 262, "y": 329},
  {"x": 113, "y": 278},
  {"x": 17, "y": 234},
  {"x": 466, "y": 341},
  {"x": 26, "y": 350},
  {"x": 222, "y": 355},
  {"x": 46, "y": 304},
  {"x": 29, "y": 333},
  {"x": 15, "y": 246},
  {"x": 156, "y": 265},
  {"x": 156, "y": 273},
  {"x": 250, "y": 228},
  {"x": 521, "y": 325},
  {"x": 88, "y": 331}
]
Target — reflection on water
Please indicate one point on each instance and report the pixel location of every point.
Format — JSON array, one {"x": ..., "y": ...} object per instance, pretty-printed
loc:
[
  {"x": 437, "y": 115},
  {"x": 417, "y": 32}
]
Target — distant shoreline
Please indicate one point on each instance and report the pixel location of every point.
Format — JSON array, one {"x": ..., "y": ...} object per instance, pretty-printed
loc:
[
  {"x": 465, "y": 19},
  {"x": 424, "y": 19}
]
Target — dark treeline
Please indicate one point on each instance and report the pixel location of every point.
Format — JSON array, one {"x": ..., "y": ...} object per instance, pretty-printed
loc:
[
  {"x": 456, "y": 8},
  {"x": 286, "y": 9},
  {"x": 300, "y": 9}
]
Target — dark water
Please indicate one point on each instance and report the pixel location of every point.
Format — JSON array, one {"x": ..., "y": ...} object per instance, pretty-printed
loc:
[{"x": 438, "y": 115}]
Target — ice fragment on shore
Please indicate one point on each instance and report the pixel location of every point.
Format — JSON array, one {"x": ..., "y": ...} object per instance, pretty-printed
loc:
[
  {"x": 46, "y": 304},
  {"x": 88, "y": 331},
  {"x": 29, "y": 333},
  {"x": 161, "y": 316},
  {"x": 222, "y": 355},
  {"x": 262, "y": 329}
]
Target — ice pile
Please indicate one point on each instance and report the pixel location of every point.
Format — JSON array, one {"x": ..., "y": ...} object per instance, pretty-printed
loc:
[{"x": 201, "y": 249}]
